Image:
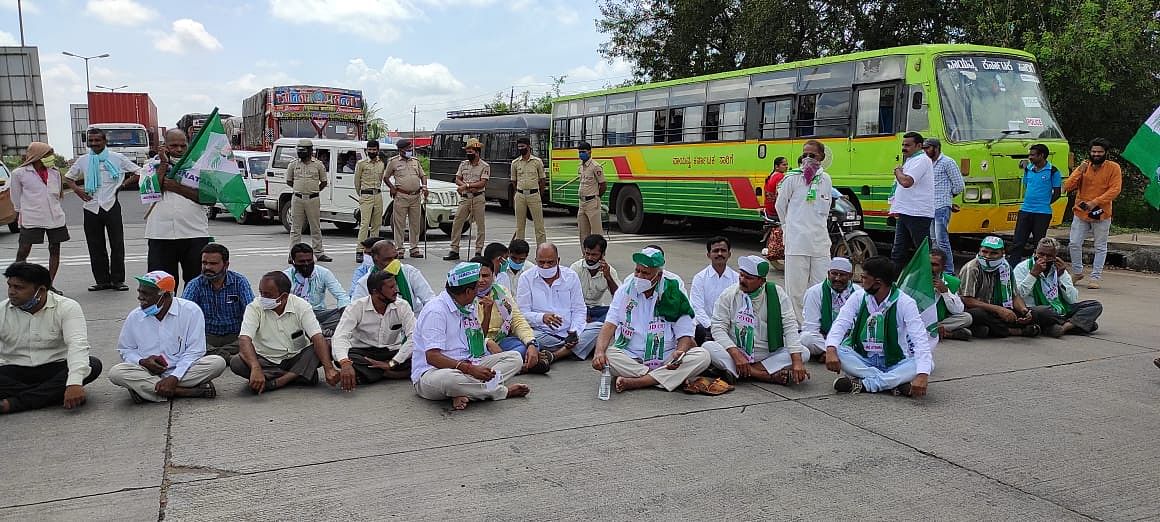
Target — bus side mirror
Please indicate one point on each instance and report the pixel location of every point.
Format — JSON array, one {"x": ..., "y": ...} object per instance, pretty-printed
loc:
[{"x": 916, "y": 100}]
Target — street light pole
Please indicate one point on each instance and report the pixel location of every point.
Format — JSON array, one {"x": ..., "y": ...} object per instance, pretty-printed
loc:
[
  {"x": 112, "y": 89},
  {"x": 88, "y": 86},
  {"x": 20, "y": 14}
]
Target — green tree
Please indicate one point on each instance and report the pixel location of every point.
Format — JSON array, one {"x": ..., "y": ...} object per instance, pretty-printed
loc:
[{"x": 376, "y": 125}]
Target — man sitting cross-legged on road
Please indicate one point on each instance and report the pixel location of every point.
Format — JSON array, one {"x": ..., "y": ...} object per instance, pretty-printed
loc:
[
  {"x": 1044, "y": 281},
  {"x": 281, "y": 342},
  {"x": 503, "y": 323},
  {"x": 553, "y": 303},
  {"x": 746, "y": 317},
  {"x": 53, "y": 366},
  {"x": 375, "y": 336},
  {"x": 822, "y": 303},
  {"x": 989, "y": 295},
  {"x": 413, "y": 287},
  {"x": 647, "y": 337},
  {"x": 451, "y": 359},
  {"x": 162, "y": 346},
  {"x": 312, "y": 282},
  {"x": 879, "y": 339},
  {"x": 953, "y": 320},
  {"x": 222, "y": 295}
]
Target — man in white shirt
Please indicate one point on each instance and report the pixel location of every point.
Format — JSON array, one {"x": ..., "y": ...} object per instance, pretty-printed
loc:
[
  {"x": 758, "y": 331},
  {"x": 36, "y": 192},
  {"x": 104, "y": 174},
  {"x": 913, "y": 202},
  {"x": 953, "y": 320},
  {"x": 177, "y": 227},
  {"x": 413, "y": 287},
  {"x": 375, "y": 337},
  {"x": 1045, "y": 283},
  {"x": 312, "y": 282},
  {"x": 281, "y": 342},
  {"x": 823, "y": 301},
  {"x": 647, "y": 338},
  {"x": 162, "y": 346},
  {"x": 51, "y": 367},
  {"x": 598, "y": 279},
  {"x": 517, "y": 258},
  {"x": 451, "y": 359},
  {"x": 879, "y": 338},
  {"x": 553, "y": 304},
  {"x": 803, "y": 205},
  {"x": 709, "y": 283}
]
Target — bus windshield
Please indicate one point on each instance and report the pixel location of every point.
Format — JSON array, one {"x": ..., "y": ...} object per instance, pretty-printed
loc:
[
  {"x": 984, "y": 97},
  {"x": 127, "y": 137}
]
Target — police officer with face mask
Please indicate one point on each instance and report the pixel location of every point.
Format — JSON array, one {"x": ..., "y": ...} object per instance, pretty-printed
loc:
[{"x": 307, "y": 177}]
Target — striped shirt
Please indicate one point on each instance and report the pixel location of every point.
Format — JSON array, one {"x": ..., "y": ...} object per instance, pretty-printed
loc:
[
  {"x": 223, "y": 309},
  {"x": 948, "y": 181}
]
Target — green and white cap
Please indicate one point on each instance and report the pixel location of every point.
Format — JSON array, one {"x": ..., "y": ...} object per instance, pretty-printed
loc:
[
  {"x": 754, "y": 265},
  {"x": 649, "y": 257},
  {"x": 993, "y": 242},
  {"x": 463, "y": 274}
]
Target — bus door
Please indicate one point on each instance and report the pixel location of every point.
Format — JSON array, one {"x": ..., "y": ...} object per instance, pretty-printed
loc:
[
  {"x": 876, "y": 147},
  {"x": 775, "y": 132}
]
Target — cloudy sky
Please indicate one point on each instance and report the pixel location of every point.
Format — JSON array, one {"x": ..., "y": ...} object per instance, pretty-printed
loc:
[{"x": 438, "y": 55}]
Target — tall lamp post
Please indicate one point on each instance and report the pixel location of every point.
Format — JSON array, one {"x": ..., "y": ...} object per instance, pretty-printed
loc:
[
  {"x": 88, "y": 86},
  {"x": 112, "y": 89}
]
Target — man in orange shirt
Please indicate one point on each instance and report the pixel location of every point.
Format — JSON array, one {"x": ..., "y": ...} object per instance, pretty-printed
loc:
[{"x": 1098, "y": 182}]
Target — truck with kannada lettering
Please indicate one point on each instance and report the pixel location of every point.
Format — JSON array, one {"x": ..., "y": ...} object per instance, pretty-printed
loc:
[{"x": 302, "y": 111}]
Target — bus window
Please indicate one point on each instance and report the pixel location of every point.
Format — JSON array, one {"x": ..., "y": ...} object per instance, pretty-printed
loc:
[
  {"x": 560, "y": 133},
  {"x": 594, "y": 105},
  {"x": 832, "y": 76},
  {"x": 685, "y": 124},
  {"x": 729, "y": 89},
  {"x": 594, "y": 130},
  {"x": 725, "y": 121},
  {"x": 618, "y": 130},
  {"x": 676, "y": 125},
  {"x": 775, "y": 118},
  {"x": 824, "y": 114},
  {"x": 875, "y": 111},
  {"x": 652, "y": 98},
  {"x": 575, "y": 131},
  {"x": 693, "y": 94},
  {"x": 539, "y": 144},
  {"x": 773, "y": 84},
  {"x": 644, "y": 127},
  {"x": 621, "y": 102},
  {"x": 983, "y": 96},
  {"x": 499, "y": 146}
]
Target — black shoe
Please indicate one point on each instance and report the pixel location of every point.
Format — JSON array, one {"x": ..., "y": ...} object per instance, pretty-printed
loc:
[
  {"x": 901, "y": 390},
  {"x": 102, "y": 286},
  {"x": 962, "y": 334},
  {"x": 849, "y": 385},
  {"x": 323, "y": 258},
  {"x": 453, "y": 256},
  {"x": 358, "y": 258},
  {"x": 120, "y": 287}
]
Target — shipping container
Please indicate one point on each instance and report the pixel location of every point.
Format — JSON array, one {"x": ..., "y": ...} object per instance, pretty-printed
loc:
[
  {"x": 22, "y": 118},
  {"x": 79, "y": 113},
  {"x": 125, "y": 107}
]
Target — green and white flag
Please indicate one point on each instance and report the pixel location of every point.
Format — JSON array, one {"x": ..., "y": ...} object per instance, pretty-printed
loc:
[
  {"x": 1144, "y": 152},
  {"x": 917, "y": 282},
  {"x": 209, "y": 165}
]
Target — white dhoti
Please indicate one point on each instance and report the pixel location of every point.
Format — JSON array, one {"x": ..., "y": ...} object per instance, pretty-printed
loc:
[
  {"x": 622, "y": 364},
  {"x": 802, "y": 272},
  {"x": 815, "y": 342},
  {"x": 772, "y": 362},
  {"x": 444, "y": 383},
  {"x": 138, "y": 380}
]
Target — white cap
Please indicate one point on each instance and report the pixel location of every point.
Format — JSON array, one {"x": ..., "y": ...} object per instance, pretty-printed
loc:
[{"x": 841, "y": 264}]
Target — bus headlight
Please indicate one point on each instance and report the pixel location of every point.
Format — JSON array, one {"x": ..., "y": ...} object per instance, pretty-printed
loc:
[
  {"x": 987, "y": 194},
  {"x": 971, "y": 194}
]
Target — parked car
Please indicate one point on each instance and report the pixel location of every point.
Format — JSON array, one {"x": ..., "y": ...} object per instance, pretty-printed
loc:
[
  {"x": 7, "y": 210},
  {"x": 253, "y": 166},
  {"x": 339, "y": 200}
]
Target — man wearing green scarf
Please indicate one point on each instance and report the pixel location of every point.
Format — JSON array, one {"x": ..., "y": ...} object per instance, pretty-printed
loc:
[
  {"x": 879, "y": 338},
  {"x": 822, "y": 303},
  {"x": 450, "y": 358},
  {"x": 988, "y": 293},
  {"x": 746, "y": 317},
  {"x": 647, "y": 337},
  {"x": 1044, "y": 281}
]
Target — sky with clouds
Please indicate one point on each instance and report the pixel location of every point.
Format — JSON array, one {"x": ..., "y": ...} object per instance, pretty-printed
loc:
[{"x": 438, "y": 55}]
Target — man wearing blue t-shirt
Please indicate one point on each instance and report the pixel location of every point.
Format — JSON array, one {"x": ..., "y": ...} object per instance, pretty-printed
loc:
[{"x": 1041, "y": 187}]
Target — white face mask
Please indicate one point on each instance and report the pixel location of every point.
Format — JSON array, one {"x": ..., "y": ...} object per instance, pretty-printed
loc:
[
  {"x": 641, "y": 284},
  {"x": 591, "y": 265},
  {"x": 548, "y": 273},
  {"x": 267, "y": 303}
]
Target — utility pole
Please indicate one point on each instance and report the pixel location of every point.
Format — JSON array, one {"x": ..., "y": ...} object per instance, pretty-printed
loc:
[
  {"x": 20, "y": 14},
  {"x": 511, "y": 99},
  {"x": 414, "y": 120}
]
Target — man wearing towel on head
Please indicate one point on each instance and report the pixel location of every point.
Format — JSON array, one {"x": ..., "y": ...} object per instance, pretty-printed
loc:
[
  {"x": 746, "y": 317},
  {"x": 647, "y": 337},
  {"x": 822, "y": 303}
]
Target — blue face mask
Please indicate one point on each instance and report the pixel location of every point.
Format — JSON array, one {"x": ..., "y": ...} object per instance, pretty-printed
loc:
[
  {"x": 514, "y": 265},
  {"x": 31, "y": 303},
  {"x": 585, "y": 156},
  {"x": 153, "y": 309}
]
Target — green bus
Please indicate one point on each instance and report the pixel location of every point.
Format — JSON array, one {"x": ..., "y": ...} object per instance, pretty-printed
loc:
[{"x": 702, "y": 147}]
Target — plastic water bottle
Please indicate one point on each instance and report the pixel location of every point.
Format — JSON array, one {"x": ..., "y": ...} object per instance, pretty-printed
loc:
[{"x": 605, "y": 391}]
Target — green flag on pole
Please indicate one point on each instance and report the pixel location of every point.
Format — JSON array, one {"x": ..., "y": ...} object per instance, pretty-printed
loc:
[
  {"x": 917, "y": 282},
  {"x": 1144, "y": 152},
  {"x": 209, "y": 165}
]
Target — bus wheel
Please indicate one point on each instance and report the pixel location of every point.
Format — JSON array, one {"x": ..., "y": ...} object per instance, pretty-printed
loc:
[{"x": 630, "y": 216}]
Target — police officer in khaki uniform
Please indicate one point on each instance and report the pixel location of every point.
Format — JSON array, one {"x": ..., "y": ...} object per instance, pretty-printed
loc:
[
  {"x": 408, "y": 184},
  {"x": 471, "y": 180},
  {"x": 306, "y": 177},
  {"x": 368, "y": 180},
  {"x": 530, "y": 180},
  {"x": 591, "y": 192}
]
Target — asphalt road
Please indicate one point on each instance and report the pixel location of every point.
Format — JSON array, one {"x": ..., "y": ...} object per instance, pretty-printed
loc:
[{"x": 1037, "y": 429}]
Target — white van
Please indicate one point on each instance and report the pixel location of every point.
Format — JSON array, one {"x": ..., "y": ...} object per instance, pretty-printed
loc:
[
  {"x": 339, "y": 200},
  {"x": 253, "y": 166}
]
